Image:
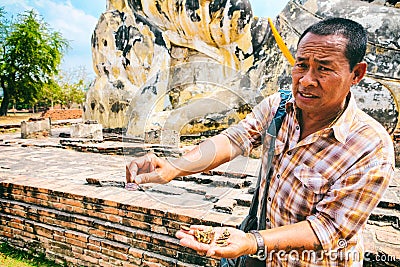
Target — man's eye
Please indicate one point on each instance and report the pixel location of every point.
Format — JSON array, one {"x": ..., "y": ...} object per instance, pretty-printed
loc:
[
  {"x": 324, "y": 68},
  {"x": 301, "y": 65}
]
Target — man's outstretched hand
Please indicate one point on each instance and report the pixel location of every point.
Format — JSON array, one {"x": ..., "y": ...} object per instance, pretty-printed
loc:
[
  {"x": 239, "y": 243},
  {"x": 149, "y": 169}
]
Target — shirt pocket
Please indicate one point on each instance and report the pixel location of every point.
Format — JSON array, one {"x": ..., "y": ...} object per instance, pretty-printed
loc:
[
  {"x": 311, "y": 180},
  {"x": 301, "y": 196}
]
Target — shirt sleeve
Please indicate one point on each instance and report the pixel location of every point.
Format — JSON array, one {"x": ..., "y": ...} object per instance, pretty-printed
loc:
[
  {"x": 247, "y": 133},
  {"x": 351, "y": 199}
]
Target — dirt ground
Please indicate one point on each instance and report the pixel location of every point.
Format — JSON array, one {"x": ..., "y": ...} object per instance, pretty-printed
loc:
[
  {"x": 17, "y": 118},
  {"x": 55, "y": 114}
]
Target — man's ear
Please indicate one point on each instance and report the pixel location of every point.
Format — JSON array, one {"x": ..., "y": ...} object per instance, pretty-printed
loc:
[{"x": 359, "y": 71}]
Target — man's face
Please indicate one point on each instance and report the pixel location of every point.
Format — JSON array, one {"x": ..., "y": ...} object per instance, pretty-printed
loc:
[{"x": 321, "y": 75}]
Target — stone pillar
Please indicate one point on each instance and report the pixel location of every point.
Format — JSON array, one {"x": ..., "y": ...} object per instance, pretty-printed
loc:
[
  {"x": 35, "y": 128},
  {"x": 89, "y": 130}
]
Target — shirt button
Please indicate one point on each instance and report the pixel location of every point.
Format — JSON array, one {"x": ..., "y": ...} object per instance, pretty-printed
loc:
[
  {"x": 278, "y": 176},
  {"x": 269, "y": 199},
  {"x": 289, "y": 153},
  {"x": 297, "y": 127},
  {"x": 267, "y": 220}
]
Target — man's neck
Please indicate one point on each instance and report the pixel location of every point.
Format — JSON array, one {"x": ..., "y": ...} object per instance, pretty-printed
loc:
[{"x": 310, "y": 124}]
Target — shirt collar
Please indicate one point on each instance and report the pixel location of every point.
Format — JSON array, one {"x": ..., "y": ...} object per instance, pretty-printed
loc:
[{"x": 342, "y": 126}]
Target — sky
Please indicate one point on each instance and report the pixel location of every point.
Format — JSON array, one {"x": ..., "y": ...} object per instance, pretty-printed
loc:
[{"x": 77, "y": 19}]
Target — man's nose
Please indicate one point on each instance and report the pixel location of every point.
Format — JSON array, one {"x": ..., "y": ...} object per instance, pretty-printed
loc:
[{"x": 309, "y": 78}]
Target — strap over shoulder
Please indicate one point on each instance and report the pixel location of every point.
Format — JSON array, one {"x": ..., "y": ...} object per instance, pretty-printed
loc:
[{"x": 281, "y": 111}]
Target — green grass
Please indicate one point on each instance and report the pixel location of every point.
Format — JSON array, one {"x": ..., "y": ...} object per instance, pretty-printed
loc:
[{"x": 11, "y": 257}]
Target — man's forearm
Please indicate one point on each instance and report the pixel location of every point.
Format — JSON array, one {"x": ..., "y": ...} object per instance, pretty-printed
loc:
[{"x": 206, "y": 156}]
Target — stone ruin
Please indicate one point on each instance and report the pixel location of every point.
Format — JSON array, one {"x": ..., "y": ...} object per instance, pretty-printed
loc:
[{"x": 199, "y": 66}]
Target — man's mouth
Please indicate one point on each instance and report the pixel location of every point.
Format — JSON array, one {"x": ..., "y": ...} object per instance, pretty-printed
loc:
[{"x": 307, "y": 95}]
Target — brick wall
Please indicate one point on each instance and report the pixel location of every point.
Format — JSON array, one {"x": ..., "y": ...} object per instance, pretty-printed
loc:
[{"x": 87, "y": 231}]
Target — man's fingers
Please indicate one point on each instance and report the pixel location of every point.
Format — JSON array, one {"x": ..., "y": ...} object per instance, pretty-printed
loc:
[
  {"x": 132, "y": 168},
  {"x": 146, "y": 169},
  {"x": 152, "y": 177},
  {"x": 131, "y": 172},
  {"x": 193, "y": 244},
  {"x": 182, "y": 234}
]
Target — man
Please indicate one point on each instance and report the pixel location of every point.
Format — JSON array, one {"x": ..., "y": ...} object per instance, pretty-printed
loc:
[{"x": 331, "y": 166}]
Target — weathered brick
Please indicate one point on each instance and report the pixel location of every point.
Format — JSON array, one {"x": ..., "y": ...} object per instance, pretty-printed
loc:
[
  {"x": 62, "y": 216},
  {"x": 104, "y": 263},
  {"x": 113, "y": 218},
  {"x": 45, "y": 212},
  {"x": 47, "y": 197},
  {"x": 28, "y": 235},
  {"x": 65, "y": 224},
  {"x": 114, "y": 254},
  {"x": 156, "y": 258},
  {"x": 116, "y": 261},
  {"x": 88, "y": 258},
  {"x": 5, "y": 233},
  {"x": 44, "y": 230},
  {"x": 111, "y": 245},
  {"x": 69, "y": 195},
  {"x": 118, "y": 238},
  {"x": 167, "y": 251},
  {"x": 91, "y": 253},
  {"x": 82, "y": 220},
  {"x": 151, "y": 264},
  {"x": 59, "y": 238},
  {"x": 131, "y": 264},
  {"x": 78, "y": 210},
  {"x": 93, "y": 248},
  {"x": 75, "y": 242},
  {"x": 136, "y": 224},
  {"x": 48, "y": 220},
  {"x": 18, "y": 212},
  {"x": 96, "y": 214},
  {"x": 60, "y": 248},
  {"x": 17, "y": 225},
  {"x": 135, "y": 261},
  {"x": 82, "y": 228},
  {"x": 146, "y": 246},
  {"x": 77, "y": 250},
  {"x": 159, "y": 229},
  {"x": 191, "y": 216},
  {"x": 28, "y": 228},
  {"x": 110, "y": 209},
  {"x": 95, "y": 241},
  {"x": 71, "y": 202},
  {"x": 97, "y": 232}
]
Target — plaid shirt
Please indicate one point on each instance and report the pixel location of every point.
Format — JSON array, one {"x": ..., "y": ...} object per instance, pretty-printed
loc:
[{"x": 333, "y": 178}]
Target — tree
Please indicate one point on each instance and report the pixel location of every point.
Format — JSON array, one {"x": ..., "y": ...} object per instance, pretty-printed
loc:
[
  {"x": 73, "y": 84},
  {"x": 31, "y": 54},
  {"x": 50, "y": 94}
]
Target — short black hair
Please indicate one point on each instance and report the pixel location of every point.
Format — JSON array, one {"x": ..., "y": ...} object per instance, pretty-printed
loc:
[{"x": 354, "y": 32}]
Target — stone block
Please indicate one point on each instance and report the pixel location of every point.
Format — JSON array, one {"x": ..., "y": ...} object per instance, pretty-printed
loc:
[
  {"x": 225, "y": 205},
  {"x": 87, "y": 130},
  {"x": 35, "y": 128},
  {"x": 163, "y": 137}
]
